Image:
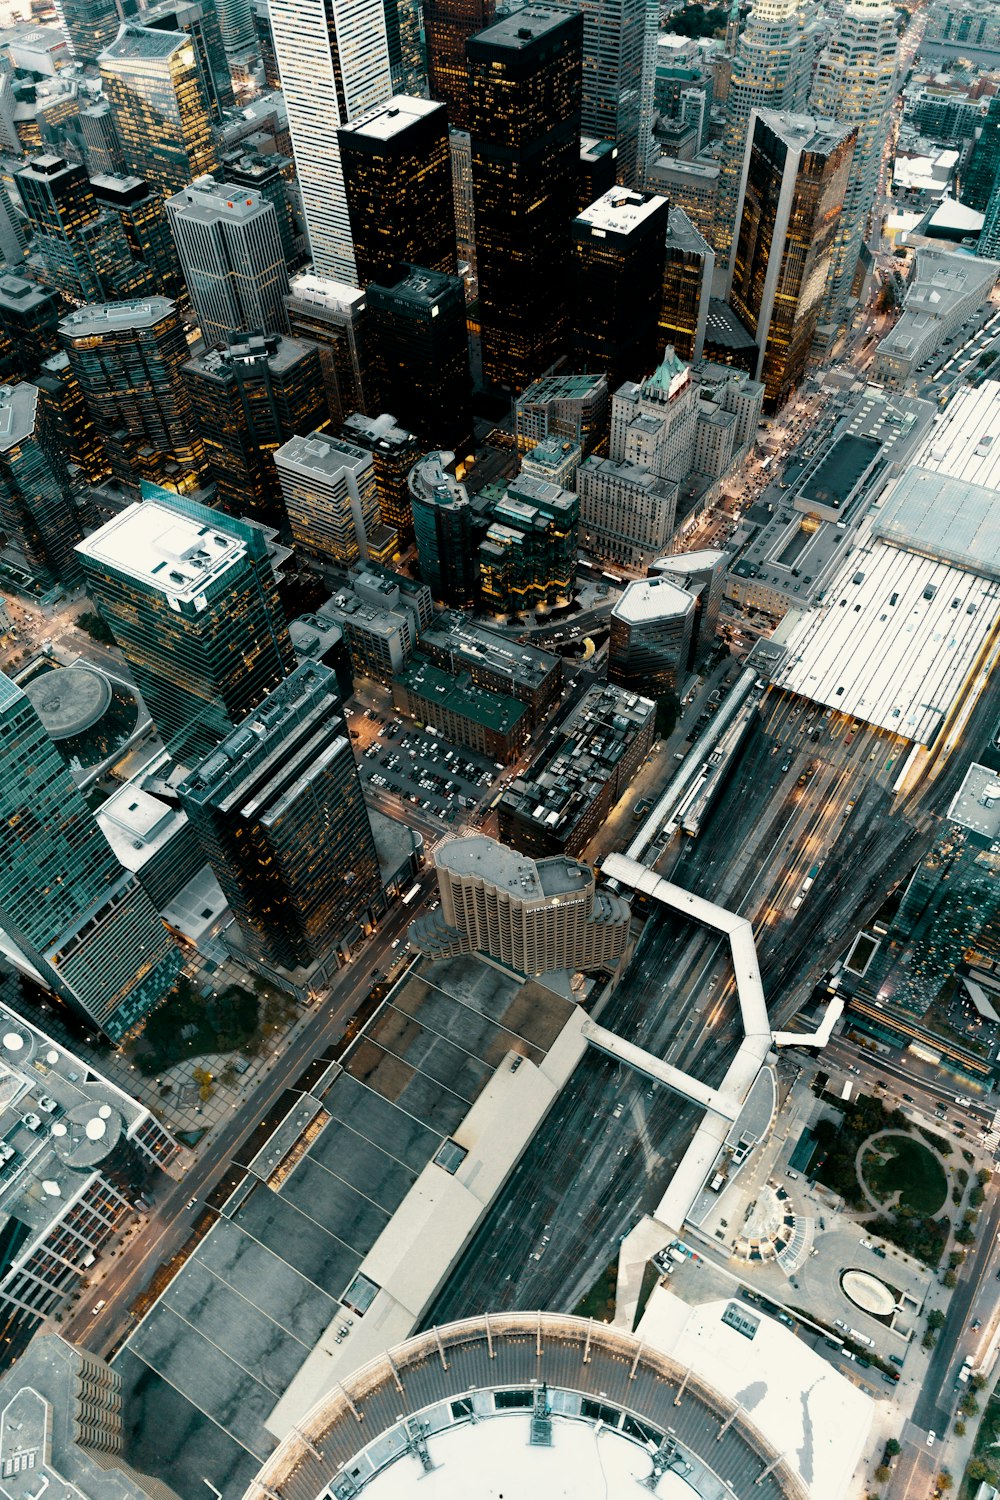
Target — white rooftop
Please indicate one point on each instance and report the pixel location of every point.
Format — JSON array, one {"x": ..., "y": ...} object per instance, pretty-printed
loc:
[
  {"x": 964, "y": 441},
  {"x": 649, "y": 599},
  {"x": 168, "y": 552},
  {"x": 949, "y": 520},
  {"x": 137, "y": 824},
  {"x": 976, "y": 804},
  {"x": 390, "y": 118},
  {"x": 621, "y": 210}
]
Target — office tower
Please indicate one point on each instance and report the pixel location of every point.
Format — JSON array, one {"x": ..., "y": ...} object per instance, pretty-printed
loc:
[
  {"x": 982, "y": 173},
  {"x": 334, "y": 64},
  {"x": 598, "y": 169},
  {"x": 397, "y": 177},
  {"x": 127, "y": 357},
  {"x": 279, "y": 812},
  {"x": 29, "y": 315},
  {"x": 795, "y": 174},
  {"x": 336, "y": 318},
  {"x": 265, "y": 43},
  {"x": 445, "y": 530},
  {"x": 72, "y": 916},
  {"x": 448, "y": 25},
  {"x": 614, "y": 47},
  {"x": 199, "y": 20},
  {"x": 331, "y": 500},
  {"x": 988, "y": 244},
  {"x": 90, "y": 25},
  {"x": 855, "y": 83},
  {"x": 525, "y": 126},
  {"x": 701, "y": 574},
  {"x": 529, "y": 553},
  {"x": 72, "y": 425},
  {"x": 460, "y": 147},
  {"x": 151, "y": 78},
  {"x": 618, "y": 253},
  {"x": 191, "y": 598},
  {"x": 652, "y": 626},
  {"x": 249, "y": 396},
  {"x": 83, "y": 249},
  {"x": 102, "y": 145},
  {"x": 237, "y": 24},
  {"x": 266, "y": 173},
  {"x": 13, "y": 240},
  {"x": 534, "y": 916},
  {"x": 653, "y": 423},
  {"x": 139, "y": 209},
  {"x": 36, "y": 510},
  {"x": 688, "y": 268},
  {"x": 407, "y": 65},
  {"x": 394, "y": 451},
  {"x": 771, "y": 70},
  {"x": 230, "y": 252},
  {"x": 563, "y": 406},
  {"x": 554, "y": 460},
  {"x": 422, "y": 355},
  {"x": 627, "y": 512}
]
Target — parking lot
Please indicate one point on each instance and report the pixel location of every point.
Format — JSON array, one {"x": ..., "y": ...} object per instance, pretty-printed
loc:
[{"x": 403, "y": 764}]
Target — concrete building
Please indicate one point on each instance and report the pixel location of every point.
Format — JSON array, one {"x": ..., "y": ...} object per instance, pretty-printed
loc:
[
  {"x": 945, "y": 290},
  {"x": 627, "y": 513},
  {"x": 331, "y": 499},
  {"x": 151, "y": 836},
  {"x": 654, "y": 423},
  {"x": 652, "y": 629},
  {"x": 493, "y": 661},
  {"x": 36, "y": 511},
  {"x": 231, "y": 254},
  {"x": 268, "y": 173},
  {"x": 381, "y": 615},
  {"x": 460, "y": 148},
  {"x": 616, "y": 39},
  {"x": 702, "y": 574},
  {"x": 101, "y": 143},
  {"x": 335, "y": 317},
  {"x": 563, "y": 406},
  {"x": 714, "y": 444},
  {"x": 534, "y": 916},
  {"x": 492, "y": 723},
  {"x": 585, "y": 765},
  {"x": 692, "y": 187}
]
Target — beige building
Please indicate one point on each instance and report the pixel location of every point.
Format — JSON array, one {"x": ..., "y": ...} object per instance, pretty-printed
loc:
[{"x": 536, "y": 916}]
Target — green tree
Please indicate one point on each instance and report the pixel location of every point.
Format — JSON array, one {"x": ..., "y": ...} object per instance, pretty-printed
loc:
[
  {"x": 882, "y": 1474},
  {"x": 960, "y": 1428},
  {"x": 95, "y": 626},
  {"x": 950, "y": 1279},
  {"x": 945, "y": 1480},
  {"x": 968, "y": 1405},
  {"x": 935, "y": 1318},
  {"x": 892, "y": 1448}
]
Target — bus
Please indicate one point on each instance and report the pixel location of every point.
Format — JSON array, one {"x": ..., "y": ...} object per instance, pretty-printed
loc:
[{"x": 411, "y": 894}]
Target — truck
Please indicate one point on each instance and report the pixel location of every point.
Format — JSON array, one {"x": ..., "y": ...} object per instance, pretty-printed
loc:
[{"x": 860, "y": 1338}]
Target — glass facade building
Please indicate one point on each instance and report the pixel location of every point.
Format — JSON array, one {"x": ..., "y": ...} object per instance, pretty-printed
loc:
[
  {"x": 336, "y": 318},
  {"x": 162, "y": 113},
  {"x": 36, "y": 511},
  {"x": 446, "y": 531},
  {"x": 84, "y": 251},
  {"x": 279, "y": 811},
  {"x": 688, "y": 267},
  {"x": 529, "y": 553},
  {"x": 525, "y": 95},
  {"x": 91, "y": 25},
  {"x": 140, "y": 210},
  {"x": 199, "y": 20},
  {"x": 618, "y": 256},
  {"x": 448, "y": 25},
  {"x": 72, "y": 918},
  {"x": 29, "y": 315},
  {"x": 615, "y": 39},
  {"x": 394, "y": 451},
  {"x": 422, "y": 355},
  {"x": 72, "y": 424}
]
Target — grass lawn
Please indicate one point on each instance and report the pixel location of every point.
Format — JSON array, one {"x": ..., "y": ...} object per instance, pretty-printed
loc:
[
  {"x": 899, "y": 1164},
  {"x": 599, "y": 1302}
]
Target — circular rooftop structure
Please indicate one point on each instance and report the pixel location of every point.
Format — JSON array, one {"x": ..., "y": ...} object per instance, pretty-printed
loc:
[
  {"x": 868, "y": 1292},
  {"x": 91, "y": 1130},
  {"x": 525, "y": 1404},
  {"x": 69, "y": 700}
]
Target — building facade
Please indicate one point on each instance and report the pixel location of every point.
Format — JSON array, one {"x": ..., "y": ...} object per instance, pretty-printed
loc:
[
  {"x": 335, "y": 317},
  {"x": 651, "y": 633},
  {"x": 448, "y": 25},
  {"x": 616, "y": 39},
  {"x": 529, "y": 553},
  {"x": 618, "y": 260},
  {"x": 151, "y": 78},
  {"x": 421, "y": 352},
  {"x": 84, "y": 252},
  {"x": 331, "y": 500},
  {"x": 463, "y": 713},
  {"x": 627, "y": 513},
  {"x": 140, "y": 210},
  {"x": 36, "y": 511},
  {"x": 688, "y": 269},
  {"x": 443, "y": 525},
  {"x": 394, "y": 451}
]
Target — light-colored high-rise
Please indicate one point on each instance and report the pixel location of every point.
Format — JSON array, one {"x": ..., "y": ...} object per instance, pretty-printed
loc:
[
  {"x": 855, "y": 83},
  {"x": 333, "y": 56},
  {"x": 614, "y": 53},
  {"x": 653, "y": 424},
  {"x": 771, "y": 70}
]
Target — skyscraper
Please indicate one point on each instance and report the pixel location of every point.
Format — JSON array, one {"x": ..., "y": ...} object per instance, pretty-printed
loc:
[
  {"x": 334, "y": 61},
  {"x": 84, "y": 250},
  {"x": 140, "y": 211},
  {"x": 448, "y": 25},
  {"x": 394, "y": 451},
  {"x": 231, "y": 255},
  {"x": 162, "y": 114},
  {"x": 651, "y": 631},
  {"x": 127, "y": 357},
  {"x": 525, "y": 127},
  {"x": 30, "y": 314},
  {"x": 90, "y": 25},
  {"x": 422, "y": 355},
  {"x": 688, "y": 268},
  {"x": 101, "y": 143},
  {"x": 397, "y": 177},
  {"x": 528, "y": 555},
  {"x": 855, "y": 83},
  {"x": 249, "y": 396},
  {"x": 266, "y": 173},
  {"x": 445, "y": 530},
  {"x": 237, "y": 22},
  {"x": 191, "y": 598},
  {"x": 618, "y": 254},
  {"x": 771, "y": 70},
  {"x": 336, "y": 318},
  {"x": 460, "y": 146},
  {"x": 36, "y": 511},
  {"x": 331, "y": 500},
  {"x": 614, "y": 48},
  {"x": 199, "y": 20},
  {"x": 982, "y": 174},
  {"x": 988, "y": 245},
  {"x": 72, "y": 425},
  {"x": 71, "y": 916},
  {"x": 280, "y": 814},
  {"x": 795, "y": 174}
]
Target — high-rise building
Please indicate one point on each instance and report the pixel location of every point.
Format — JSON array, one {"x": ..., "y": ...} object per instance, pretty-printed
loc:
[
  {"x": 651, "y": 632},
  {"x": 100, "y": 141},
  {"x": 72, "y": 425},
  {"x": 331, "y": 500},
  {"x": 525, "y": 127},
  {"x": 627, "y": 512},
  {"x": 397, "y": 177},
  {"x": 982, "y": 173},
  {"x": 448, "y": 25},
  {"x": 795, "y": 174},
  {"x": 988, "y": 244},
  {"x": 772, "y": 69},
  {"x": 230, "y": 251},
  {"x": 653, "y": 423},
  {"x": 460, "y": 147},
  {"x": 249, "y": 396},
  {"x": 598, "y": 170},
  {"x": 36, "y": 512},
  {"x": 162, "y": 114},
  {"x": 70, "y": 915},
  {"x": 90, "y": 25},
  {"x": 688, "y": 268},
  {"x": 84, "y": 251},
  {"x": 29, "y": 315},
  {"x": 191, "y": 598},
  {"x": 529, "y": 553},
  {"x": 237, "y": 22},
  {"x": 855, "y": 83},
  {"x": 279, "y": 811},
  {"x": 336, "y": 318},
  {"x": 534, "y": 916},
  {"x": 615, "y": 38},
  {"x": 140, "y": 211},
  {"x": 618, "y": 254},
  {"x": 127, "y": 357},
  {"x": 334, "y": 62},
  {"x": 265, "y": 42},
  {"x": 422, "y": 355},
  {"x": 563, "y": 406},
  {"x": 394, "y": 451},
  {"x": 701, "y": 574},
  {"x": 267, "y": 173},
  {"x": 445, "y": 531},
  {"x": 199, "y": 20}
]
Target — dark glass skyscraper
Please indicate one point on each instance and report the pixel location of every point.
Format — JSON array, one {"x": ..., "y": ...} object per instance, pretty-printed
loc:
[
  {"x": 161, "y": 110},
  {"x": 140, "y": 210},
  {"x": 191, "y": 598},
  {"x": 199, "y": 19},
  {"x": 525, "y": 94},
  {"x": 397, "y": 177},
  {"x": 84, "y": 250},
  {"x": 72, "y": 424},
  {"x": 446, "y": 531},
  {"x": 30, "y": 315},
  {"x": 982, "y": 175},
  {"x": 36, "y": 513},
  {"x": 422, "y": 354},
  {"x": 91, "y": 25},
  {"x": 618, "y": 251},
  {"x": 448, "y": 25},
  {"x": 279, "y": 811}
]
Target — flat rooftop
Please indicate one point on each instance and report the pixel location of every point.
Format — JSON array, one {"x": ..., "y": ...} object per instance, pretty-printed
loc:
[
  {"x": 834, "y": 480},
  {"x": 478, "y": 646},
  {"x": 167, "y": 552},
  {"x": 964, "y": 442},
  {"x": 206, "y": 202},
  {"x": 321, "y": 455},
  {"x": 18, "y": 407},
  {"x": 499, "y": 865},
  {"x": 622, "y": 211},
  {"x": 944, "y": 518},
  {"x": 145, "y": 43},
  {"x": 525, "y": 27},
  {"x": 494, "y": 711},
  {"x": 650, "y": 599},
  {"x": 976, "y": 804},
  {"x": 396, "y": 115},
  {"x": 99, "y": 318}
]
